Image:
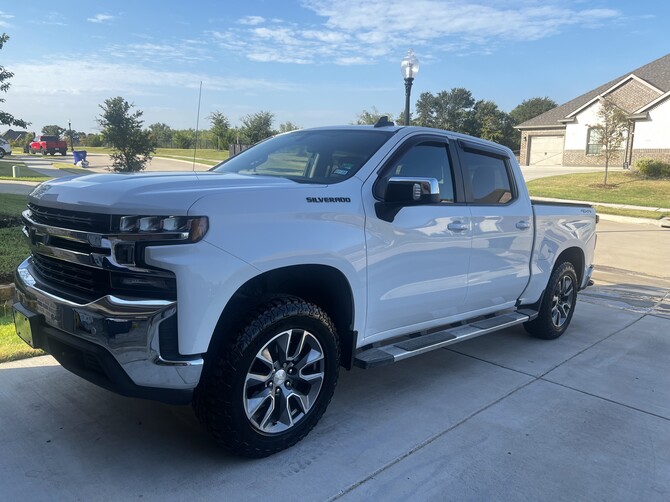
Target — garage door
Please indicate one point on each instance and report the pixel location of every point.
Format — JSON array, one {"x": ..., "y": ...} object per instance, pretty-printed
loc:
[{"x": 546, "y": 150}]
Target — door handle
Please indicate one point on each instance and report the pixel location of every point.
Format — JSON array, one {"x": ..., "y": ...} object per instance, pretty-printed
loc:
[
  {"x": 457, "y": 226},
  {"x": 523, "y": 225}
]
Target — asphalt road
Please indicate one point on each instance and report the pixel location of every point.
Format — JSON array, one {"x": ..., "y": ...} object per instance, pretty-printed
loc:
[{"x": 501, "y": 417}]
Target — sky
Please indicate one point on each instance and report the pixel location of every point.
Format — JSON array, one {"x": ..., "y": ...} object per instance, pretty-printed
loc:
[{"x": 311, "y": 62}]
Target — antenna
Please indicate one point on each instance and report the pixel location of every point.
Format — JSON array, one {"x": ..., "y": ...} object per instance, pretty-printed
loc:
[{"x": 197, "y": 124}]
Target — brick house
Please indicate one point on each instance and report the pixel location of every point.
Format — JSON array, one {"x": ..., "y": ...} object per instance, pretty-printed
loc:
[{"x": 563, "y": 136}]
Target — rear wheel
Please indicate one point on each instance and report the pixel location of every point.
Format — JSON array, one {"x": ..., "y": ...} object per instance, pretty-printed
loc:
[
  {"x": 2, "y": 153},
  {"x": 267, "y": 389},
  {"x": 558, "y": 304}
]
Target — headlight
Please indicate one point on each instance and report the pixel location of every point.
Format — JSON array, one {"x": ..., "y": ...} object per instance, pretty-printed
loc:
[{"x": 185, "y": 228}]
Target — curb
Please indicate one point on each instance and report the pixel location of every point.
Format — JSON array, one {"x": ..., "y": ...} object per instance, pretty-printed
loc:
[{"x": 663, "y": 223}]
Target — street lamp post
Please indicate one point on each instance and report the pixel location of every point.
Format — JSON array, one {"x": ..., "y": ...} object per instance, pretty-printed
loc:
[
  {"x": 69, "y": 127},
  {"x": 409, "y": 67}
]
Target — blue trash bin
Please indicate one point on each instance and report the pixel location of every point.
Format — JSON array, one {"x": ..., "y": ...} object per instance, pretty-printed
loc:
[{"x": 80, "y": 156}]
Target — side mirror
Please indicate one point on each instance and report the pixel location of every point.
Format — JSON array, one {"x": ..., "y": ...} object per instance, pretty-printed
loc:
[
  {"x": 401, "y": 192},
  {"x": 412, "y": 191}
]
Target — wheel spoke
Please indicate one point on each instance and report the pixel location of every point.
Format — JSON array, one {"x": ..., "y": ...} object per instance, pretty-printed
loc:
[
  {"x": 264, "y": 355},
  {"x": 268, "y": 414},
  {"x": 256, "y": 379},
  {"x": 285, "y": 415},
  {"x": 254, "y": 404}
]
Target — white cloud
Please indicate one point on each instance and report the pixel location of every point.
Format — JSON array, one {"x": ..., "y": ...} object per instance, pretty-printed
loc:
[
  {"x": 154, "y": 52},
  {"x": 100, "y": 18},
  {"x": 251, "y": 20},
  {"x": 363, "y": 31},
  {"x": 94, "y": 76},
  {"x": 3, "y": 19}
]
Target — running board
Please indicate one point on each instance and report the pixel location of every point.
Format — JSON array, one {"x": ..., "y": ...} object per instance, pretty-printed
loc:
[{"x": 404, "y": 349}]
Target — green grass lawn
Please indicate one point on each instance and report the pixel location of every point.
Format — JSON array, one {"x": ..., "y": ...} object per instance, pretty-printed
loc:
[
  {"x": 13, "y": 250},
  {"x": 622, "y": 188},
  {"x": 176, "y": 153},
  {"x": 12, "y": 205},
  {"x": 24, "y": 172},
  {"x": 11, "y": 346}
]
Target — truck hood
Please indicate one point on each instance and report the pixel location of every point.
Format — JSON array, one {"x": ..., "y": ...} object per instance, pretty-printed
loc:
[{"x": 145, "y": 193}]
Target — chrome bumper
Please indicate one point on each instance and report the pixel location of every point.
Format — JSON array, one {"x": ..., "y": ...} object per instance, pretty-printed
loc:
[{"x": 127, "y": 329}]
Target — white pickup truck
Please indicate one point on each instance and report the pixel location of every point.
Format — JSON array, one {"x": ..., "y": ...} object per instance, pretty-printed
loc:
[{"x": 244, "y": 289}]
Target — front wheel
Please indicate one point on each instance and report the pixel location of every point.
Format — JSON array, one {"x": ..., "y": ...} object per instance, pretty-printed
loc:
[
  {"x": 558, "y": 304},
  {"x": 266, "y": 390},
  {"x": 2, "y": 153}
]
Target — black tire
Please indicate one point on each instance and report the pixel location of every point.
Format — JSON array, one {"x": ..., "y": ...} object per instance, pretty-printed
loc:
[
  {"x": 233, "y": 379},
  {"x": 62, "y": 152},
  {"x": 558, "y": 304},
  {"x": 43, "y": 151},
  {"x": 2, "y": 153}
]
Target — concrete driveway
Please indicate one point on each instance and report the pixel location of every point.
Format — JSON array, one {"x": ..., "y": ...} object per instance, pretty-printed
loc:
[{"x": 502, "y": 417}]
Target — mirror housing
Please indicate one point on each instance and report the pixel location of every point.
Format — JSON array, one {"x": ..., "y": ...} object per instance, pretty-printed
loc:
[
  {"x": 412, "y": 191},
  {"x": 404, "y": 191}
]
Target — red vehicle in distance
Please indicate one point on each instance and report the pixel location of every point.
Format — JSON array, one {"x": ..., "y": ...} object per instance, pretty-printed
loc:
[{"x": 47, "y": 145}]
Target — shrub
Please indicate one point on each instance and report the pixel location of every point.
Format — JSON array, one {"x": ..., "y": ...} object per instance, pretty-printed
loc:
[{"x": 652, "y": 168}]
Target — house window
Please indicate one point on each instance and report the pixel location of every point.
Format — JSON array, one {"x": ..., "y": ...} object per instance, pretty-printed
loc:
[{"x": 593, "y": 138}]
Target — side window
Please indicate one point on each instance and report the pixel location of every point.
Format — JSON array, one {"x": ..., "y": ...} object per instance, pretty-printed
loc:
[
  {"x": 489, "y": 178},
  {"x": 426, "y": 160}
]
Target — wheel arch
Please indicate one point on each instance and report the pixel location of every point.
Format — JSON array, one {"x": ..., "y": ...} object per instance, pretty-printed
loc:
[
  {"x": 323, "y": 285},
  {"x": 574, "y": 255}
]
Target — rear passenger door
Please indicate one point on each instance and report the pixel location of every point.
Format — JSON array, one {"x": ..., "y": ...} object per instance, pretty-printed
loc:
[{"x": 502, "y": 232}]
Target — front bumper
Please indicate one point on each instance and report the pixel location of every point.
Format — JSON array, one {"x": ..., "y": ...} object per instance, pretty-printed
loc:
[{"x": 112, "y": 342}]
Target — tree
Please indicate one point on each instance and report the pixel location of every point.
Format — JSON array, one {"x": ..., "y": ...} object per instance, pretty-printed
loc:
[
  {"x": 610, "y": 131},
  {"x": 161, "y": 134},
  {"x": 493, "y": 124},
  {"x": 531, "y": 108},
  {"x": 257, "y": 126},
  {"x": 184, "y": 139},
  {"x": 452, "y": 110},
  {"x": 371, "y": 117},
  {"x": 123, "y": 131},
  {"x": 220, "y": 127},
  {"x": 288, "y": 126},
  {"x": 5, "y": 75},
  {"x": 94, "y": 140},
  {"x": 53, "y": 130}
]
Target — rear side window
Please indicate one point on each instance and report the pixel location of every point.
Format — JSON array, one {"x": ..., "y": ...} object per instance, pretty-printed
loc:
[{"x": 489, "y": 178}]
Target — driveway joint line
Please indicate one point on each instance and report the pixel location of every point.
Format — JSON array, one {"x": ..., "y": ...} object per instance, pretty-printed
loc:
[
  {"x": 437, "y": 436},
  {"x": 426, "y": 442},
  {"x": 667, "y": 419}
]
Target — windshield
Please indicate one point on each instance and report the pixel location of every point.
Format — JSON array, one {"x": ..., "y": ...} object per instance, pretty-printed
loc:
[{"x": 312, "y": 156}]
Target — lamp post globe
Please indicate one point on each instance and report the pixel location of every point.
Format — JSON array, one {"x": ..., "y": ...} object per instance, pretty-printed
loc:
[{"x": 409, "y": 67}]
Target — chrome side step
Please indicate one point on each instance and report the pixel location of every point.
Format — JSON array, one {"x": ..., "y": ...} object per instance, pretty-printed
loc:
[{"x": 399, "y": 350}]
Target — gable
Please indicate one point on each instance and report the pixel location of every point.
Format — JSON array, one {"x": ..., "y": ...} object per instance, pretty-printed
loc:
[{"x": 653, "y": 77}]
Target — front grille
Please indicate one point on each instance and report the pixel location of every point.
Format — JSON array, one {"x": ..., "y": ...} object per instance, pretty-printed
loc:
[
  {"x": 69, "y": 275},
  {"x": 75, "y": 220},
  {"x": 93, "y": 283}
]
